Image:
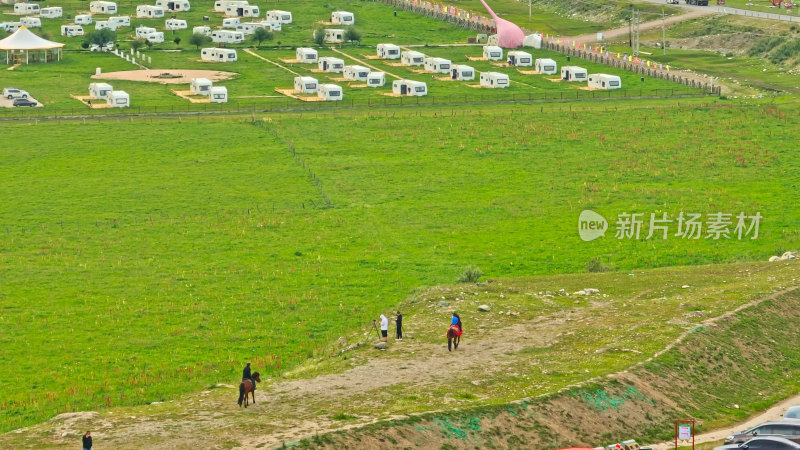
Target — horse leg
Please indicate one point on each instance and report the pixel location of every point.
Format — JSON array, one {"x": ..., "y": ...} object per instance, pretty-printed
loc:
[
  {"x": 458, "y": 341},
  {"x": 254, "y": 396},
  {"x": 449, "y": 344}
]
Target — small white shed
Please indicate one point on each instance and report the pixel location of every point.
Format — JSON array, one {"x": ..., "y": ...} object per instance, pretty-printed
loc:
[
  {"x": 52, "y": 12},
  {"x": 142, "y": 31},
  {"x": 120, "y": 21},
  {"x": 356, "y": 73},
  {"x": 26, "y": 8},
  {"x": 227, "y": 37},
  {"x": 222, "y": 5},
  {"x": 334, "y": 36},
  {"x": 462, "y": 73},
  {"x": 306, "y": 55},
  {"x": 546, "y": 66},
  {"x": 231, "y": 22},
  {"x": 239, "y": 10},
  {"x": 218, "y": 94},
  {"x": 31, "y": 22},
  {"x": 174, "y": 5},
  {"x": 376, "y": 79},
  {"x": 330, "y": 92},
  {"x": 331, "y": 64},
  {"x": 200, "y": 86},
  {"x": 343, "y": 17},
  {"x": 104, "y": 24},
  {"x": 149, "y": 12},
  {"x": 118, "y": 99},
  {"x": 279, "y": 16},
  {"x": 492, "y": 53},
  {"x": 83, "y": 19},
  {"x": 218, "y": 54},
  {"x": 249, "y": 28},
  {"x": 520, "y": 59},
  {"x": 604, "y": 81},
  {"x": 574, "y": 73},
  {"x": 71, "y": 30},
  {"x": 412, "y": 58},
  {"x": 388, "y": 51},
  {"x": 437, "y": 65},
  {"x": 101, "y": 7},
  {"x": 205, "y": 31},
  {"x": 532, "y": 40},
  {"x": 176, "y": 24},
  {"x": 100, "y": 91},
  {"x": 306, "y": 85},
  {"x": 495, "y": 80},
  {"x": 156, "y": 38},
  {"x": 411, "y": 88}
]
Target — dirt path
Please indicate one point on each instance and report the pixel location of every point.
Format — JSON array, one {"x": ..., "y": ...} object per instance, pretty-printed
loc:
[
  {"x": 615, "y": 33},
  {"x": 247, "y": 50},
  {"x": 364, "y": 63}
]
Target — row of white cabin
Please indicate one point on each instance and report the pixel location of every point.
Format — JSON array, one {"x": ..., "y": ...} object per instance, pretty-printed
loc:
[
  {"x": 97, "y": 7},
  {"x": 104, "y": 91},
  {"x": 204, "y": 87}
]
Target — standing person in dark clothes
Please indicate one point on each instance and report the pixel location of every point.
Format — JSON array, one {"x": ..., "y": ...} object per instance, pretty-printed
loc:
[
  {"x": 247, "y": 376},
  {"x": 399, "y": 322},
  {"x": 87, "y": 441}
]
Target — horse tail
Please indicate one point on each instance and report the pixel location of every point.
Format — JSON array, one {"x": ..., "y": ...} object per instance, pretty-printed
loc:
[{"x": 241, "y": 393}]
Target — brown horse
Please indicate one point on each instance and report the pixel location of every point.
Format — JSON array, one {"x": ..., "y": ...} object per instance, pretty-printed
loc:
[
  {"x": 246, "y": 387},
  {"x": 453, "y": 337}
]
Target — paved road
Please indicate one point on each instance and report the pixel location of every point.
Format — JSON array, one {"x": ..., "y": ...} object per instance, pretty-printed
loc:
[{"x": 715, "y": 9}]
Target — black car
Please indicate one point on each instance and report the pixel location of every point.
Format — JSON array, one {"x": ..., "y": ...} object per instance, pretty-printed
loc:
[{"x": 23, "y": 102}]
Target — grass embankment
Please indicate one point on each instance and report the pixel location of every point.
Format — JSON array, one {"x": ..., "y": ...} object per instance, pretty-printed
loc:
[{"x": 135, "y": 271}]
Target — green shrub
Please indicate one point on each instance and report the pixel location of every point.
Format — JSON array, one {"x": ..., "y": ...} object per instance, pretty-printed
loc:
[{"x": 471, "y": 274}]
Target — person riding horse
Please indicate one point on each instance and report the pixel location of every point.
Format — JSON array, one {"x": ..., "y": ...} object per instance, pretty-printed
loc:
[
  {"x": 247, "y": 376},
  {"x": 457, "y": 321}
]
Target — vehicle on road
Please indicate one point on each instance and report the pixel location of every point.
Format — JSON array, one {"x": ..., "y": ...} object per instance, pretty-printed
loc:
[
  {"x": 788, "y": 429},
  {"x": 672, "y": 2},
  {"x": 23, "y": 102},
  {"x": 763, "y": 443},
  {"x": 697, "y": 2},
  {"x": 792, "y": 413},
  {"x": 10, "y": 93}
]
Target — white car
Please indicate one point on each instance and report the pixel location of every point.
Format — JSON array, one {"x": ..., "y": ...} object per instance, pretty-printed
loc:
[{"x": 10, "y": 93}]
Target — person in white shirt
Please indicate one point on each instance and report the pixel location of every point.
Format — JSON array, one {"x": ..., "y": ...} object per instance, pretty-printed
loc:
[{"x": 384, "y": 328}]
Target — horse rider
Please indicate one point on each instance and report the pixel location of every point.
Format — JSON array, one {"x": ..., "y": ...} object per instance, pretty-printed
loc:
[
  {"x": 247, "y": 376},
  {"x": 457, "y": 321}
]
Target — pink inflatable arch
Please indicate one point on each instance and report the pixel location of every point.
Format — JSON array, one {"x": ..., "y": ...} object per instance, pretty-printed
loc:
[{"x": 510, "y": 35}]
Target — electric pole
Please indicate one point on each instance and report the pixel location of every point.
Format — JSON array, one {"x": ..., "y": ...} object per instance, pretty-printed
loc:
[{"x": 663, "y": 32}]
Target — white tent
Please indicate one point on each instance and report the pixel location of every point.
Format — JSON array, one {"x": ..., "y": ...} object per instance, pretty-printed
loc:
[
  {"x": 25, "y": 47},
  {"x": 532, "y": 40}
]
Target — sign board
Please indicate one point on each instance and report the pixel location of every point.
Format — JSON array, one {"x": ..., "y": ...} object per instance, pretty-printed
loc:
[
  {"x": 684, "y": 432},
  {"x": 599, "y": 36}
]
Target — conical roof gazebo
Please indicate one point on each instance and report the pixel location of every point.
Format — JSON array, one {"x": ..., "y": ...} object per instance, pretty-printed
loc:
[{"x": 24, "y": 47}]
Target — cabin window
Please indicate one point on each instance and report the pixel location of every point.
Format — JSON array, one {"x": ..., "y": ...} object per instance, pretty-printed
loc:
[
  {"x": 219, "y": 96},
  {"x": 524, "y": 61},
  {"x": 310, "y": 56},
  {"x": 444, "y": 66},
  {"x": 286, "y": 17},
  {"x": 502, "y": 81},
  {"x": 613, "y": 83},
  {"x": 362, "y": 74},
  {"x": 579, "y": 75},
  {"x": 466, "y": 74},
  {"x": 311, "y": 86},
  {"x": 548, "y": 68},
  {"x": 333, "y": 93},
  {"x": 121, "y": 101},
  {"x": 419, "y": 89},
  {"x": 495, "y": 55},
  {"x": 392, "y": 52}
]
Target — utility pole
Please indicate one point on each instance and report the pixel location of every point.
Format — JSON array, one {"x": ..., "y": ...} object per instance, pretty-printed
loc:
[
  {"x": 635, "y": 43},
  {"x": 663, "y": 32},
  {"x": 630, "y": 28},
  {"x": 530, "y": 10}
]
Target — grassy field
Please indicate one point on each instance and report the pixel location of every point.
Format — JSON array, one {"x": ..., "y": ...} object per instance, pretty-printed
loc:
[{"x": 136, "y": 270}]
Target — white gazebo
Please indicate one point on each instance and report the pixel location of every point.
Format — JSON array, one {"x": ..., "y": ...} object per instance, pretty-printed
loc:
[{"x": 24, "y": 47}]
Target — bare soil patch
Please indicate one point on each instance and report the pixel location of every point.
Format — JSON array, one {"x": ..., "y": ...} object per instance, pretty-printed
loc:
[{"x": 177, "y": 76}]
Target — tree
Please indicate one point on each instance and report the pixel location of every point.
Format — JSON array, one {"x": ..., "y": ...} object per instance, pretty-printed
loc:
[
  {"x": 261, "y": 34},
  {"x": 319, "y": 36},
  {"x": 352, "y": 35},
  {"x": 177, "y": 41},
  {"x": 101, "y": 37},
  {"x": 198, "y": 39},
  {"x": 137, "y": 44},
  {"x": 148, "y": 44}
]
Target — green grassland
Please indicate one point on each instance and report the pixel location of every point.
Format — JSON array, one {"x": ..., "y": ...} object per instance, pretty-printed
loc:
[{"x": 138, "y": 269}]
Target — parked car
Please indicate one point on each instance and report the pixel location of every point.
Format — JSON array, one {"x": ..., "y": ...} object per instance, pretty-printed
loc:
[
  {"x": 672, "y": 2},
  {"x": 792, "y": 413},
  {"x": 788, "y": 430},
  {"x": 10, "y": 93},
  {"x": 24, "y": 102},
  {"x": 763, "y": 443}
]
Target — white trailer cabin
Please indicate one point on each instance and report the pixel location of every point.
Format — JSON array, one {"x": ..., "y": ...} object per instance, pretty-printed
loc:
[
  {"x": 100, "y": 91},
  {"x": 222, "y": 5},
  {"x": 437, "y": 65},
  {"x": 200, "y": 86},
  {"x": 218, "y": 94},
  {"x": 142, "y": 31},
  {"x": 388, "y": 51},
  {"x": 462, "y": 73},
  {"x": 227, "y": 37},
  {"x": 574, "y": 73},
  {"x": 356, "y": 73},
  {"x": 410, "y": 88},
  {"x": 231, "y": 23},
  {"x": 546, "y": 66},
  {"x": 53, "y": 12},
  {"x": 71, "y": 30},
  {"x": 100, "y": 7},
  {"x": 249, "y": 28},
  {"x": 306, "y": 85},
  {"x": 604, "y": 81},
  {"x": 412, "y": 58},
  {"x": 11, "y": 26},
  {"x": 376, "y": 79},
  {"x": 149, "y": 12},
  {"x": 118, "y": 99},
  {"x": 271, "y": 25},
  {"x": 520, "y": 59},
  {"x": 218, "y": 54},
  {"x": 104, "y": 25},
  {"x": 330, "y": 92},
  {"x": 156, "y": 38},
  {"x": 242, "y": 11},
  {"x": 31, "y": 22},
  {"x": 205, "y": 31},
  {"x": 176, "y": 24},
  {"x": 120, "y": 21},
  {"x": 26, "y": 8},
  {"x": 331, "y": 64},
  {"x": 343, "y": 17},
  {"x": 492, "y": 53},
  {"x": 279, "y": 16},
  {"x": 334, "y": 36},
  {"x": 495, "y": 80},
  {"x": 532, "y": 40},
  {"x": 174, "y": 5},
  {"x": 306, "y": 55},
  {"x": 83, "y": 19}
]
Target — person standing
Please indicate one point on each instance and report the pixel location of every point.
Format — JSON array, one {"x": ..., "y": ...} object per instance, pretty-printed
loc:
[
  {"x": 384, "y": 328},
  {"x": 399, "y": 322},
  {"x": 87, "y": 441},
  {"x": 246, "y": 375}
]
